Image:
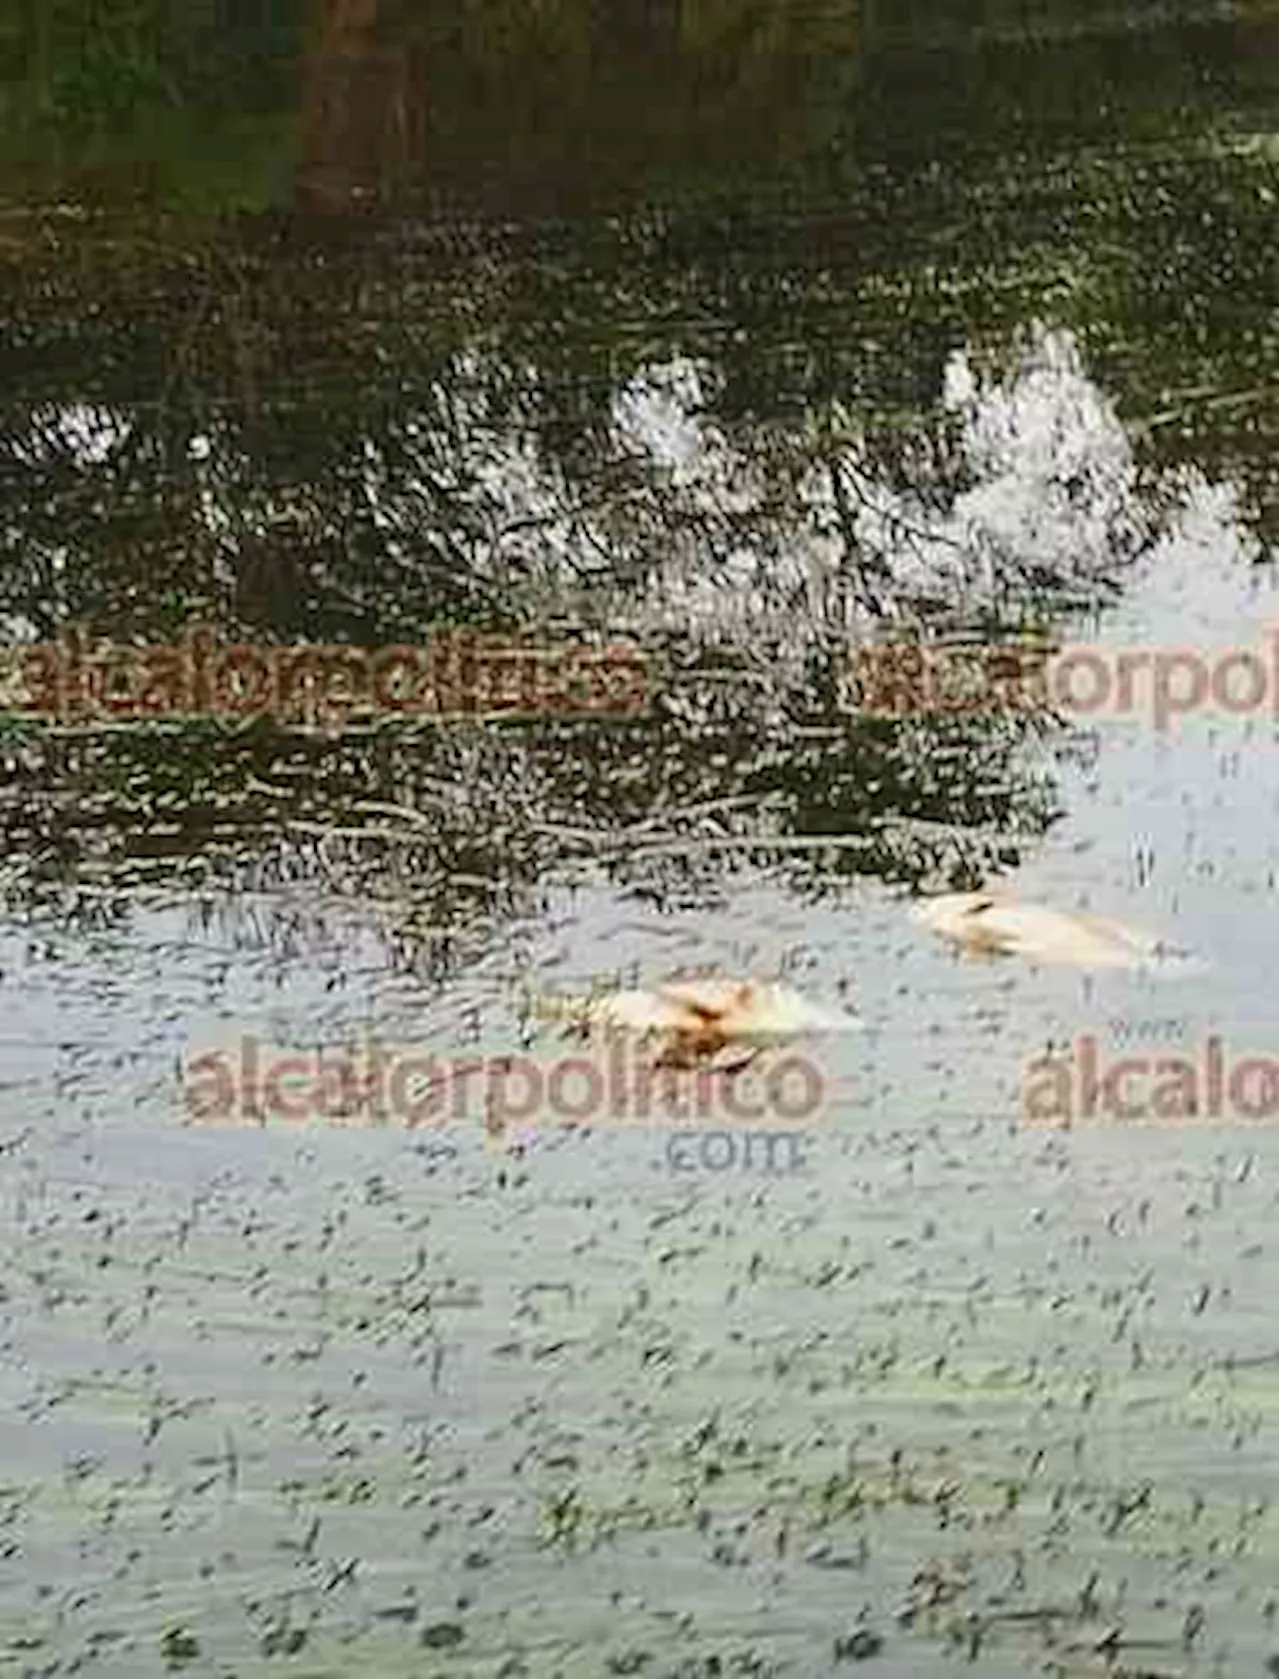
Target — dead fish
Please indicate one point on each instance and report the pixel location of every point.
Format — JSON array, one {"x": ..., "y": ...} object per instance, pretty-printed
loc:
[
  {"x": 697, "y": 1019},
  {"x": 988, "y": 924}
]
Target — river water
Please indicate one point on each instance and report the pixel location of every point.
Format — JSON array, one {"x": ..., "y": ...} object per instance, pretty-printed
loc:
[{"x": 949, "y": 1389}]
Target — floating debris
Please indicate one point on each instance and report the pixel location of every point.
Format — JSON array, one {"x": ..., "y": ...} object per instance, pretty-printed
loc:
[
  {"x": 697, "y": 1019},
  {"x": 859, "y": 1646},
  {"x": 987, "y": 924},
  {"x": 442, "y": 1635}
]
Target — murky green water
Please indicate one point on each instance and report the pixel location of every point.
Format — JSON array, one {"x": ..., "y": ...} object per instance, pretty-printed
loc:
[{"x": 971, "y": 336}]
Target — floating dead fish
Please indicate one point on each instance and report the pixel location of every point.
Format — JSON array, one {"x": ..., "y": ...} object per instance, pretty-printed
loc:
[
  {"x": 697, "y": 1019},
  {"x": 987, "y": 924}
]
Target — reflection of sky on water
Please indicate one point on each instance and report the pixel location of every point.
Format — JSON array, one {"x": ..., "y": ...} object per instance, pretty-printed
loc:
[{"x": 1047, "y": 474}]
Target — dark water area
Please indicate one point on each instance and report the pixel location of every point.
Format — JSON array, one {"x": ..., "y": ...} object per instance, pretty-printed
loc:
[{"x": 708, "y": 354}]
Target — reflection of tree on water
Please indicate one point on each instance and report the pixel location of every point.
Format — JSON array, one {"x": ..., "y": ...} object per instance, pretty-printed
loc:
[
  {"x": 572, "y": 104},
  {"x": 355, "y": 121},
  {"x": 743, "y": 559},
  {"x": 743, "y": 438},
  {"x": 561, "y": 107}
]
